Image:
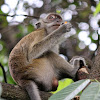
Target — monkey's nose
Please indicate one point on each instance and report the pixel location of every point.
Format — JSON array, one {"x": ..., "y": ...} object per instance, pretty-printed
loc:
[
  {"x": 62, "y": 23},
  {"x": 58, "y": 21}
]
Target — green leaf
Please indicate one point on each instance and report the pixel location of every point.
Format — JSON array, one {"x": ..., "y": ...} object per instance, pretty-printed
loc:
[
  {"x": 58, "y": 11},
  {"x": 97, "y": 9},
  {"x": 70, "y": 91},
  {"x": 30, "y": 28},
  {"x": 92, "y": 92},
  {"x": 63, "y": 83},
  {"x": 10, "y": 80},
  {"x": 19, "y": 35}
]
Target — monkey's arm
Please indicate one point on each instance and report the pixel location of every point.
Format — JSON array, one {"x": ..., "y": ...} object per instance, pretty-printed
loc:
[
  {"x": 48, "y": 42},
  {"x": 68, "y": 68}
]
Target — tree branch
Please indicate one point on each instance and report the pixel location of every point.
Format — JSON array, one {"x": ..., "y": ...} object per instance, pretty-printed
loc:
[{"x": 14, "y": 92}]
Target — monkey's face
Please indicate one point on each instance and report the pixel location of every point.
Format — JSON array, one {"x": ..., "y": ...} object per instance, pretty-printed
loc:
[{"x": 53, "y": 21}]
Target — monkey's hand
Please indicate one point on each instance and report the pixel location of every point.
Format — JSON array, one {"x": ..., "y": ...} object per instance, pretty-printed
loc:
[
  {"x": 63, "y": 28},
  {"x": 77, "y": 62},
  {"x": 68, "y": 26}
]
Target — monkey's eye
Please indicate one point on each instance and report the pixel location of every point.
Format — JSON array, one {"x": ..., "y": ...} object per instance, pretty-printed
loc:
[
  {"x": 52, "y": 17},
  {"x": 58, "y": 17}
]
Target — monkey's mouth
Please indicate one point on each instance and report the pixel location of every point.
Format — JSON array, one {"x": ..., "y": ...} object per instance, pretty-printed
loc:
[{"x": 57, "y": 25}]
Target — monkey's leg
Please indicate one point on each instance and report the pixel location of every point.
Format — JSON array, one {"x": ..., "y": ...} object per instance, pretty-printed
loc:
[
  {"x": 63, "y": 66},
  {"x": 31, "y": 88}
]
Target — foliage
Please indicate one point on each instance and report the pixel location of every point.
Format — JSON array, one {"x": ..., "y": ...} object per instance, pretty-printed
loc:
[
  {"x": 91, "y": 91},
  {"x": 97, "y": 9},
  {"x": 3, "y": 48},
  {"x": 4, "y": 62},
  {"x": 3, "y": 21}
]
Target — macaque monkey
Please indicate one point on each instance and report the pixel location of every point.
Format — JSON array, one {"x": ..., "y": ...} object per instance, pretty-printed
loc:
[{"x": 35, "y": 63}]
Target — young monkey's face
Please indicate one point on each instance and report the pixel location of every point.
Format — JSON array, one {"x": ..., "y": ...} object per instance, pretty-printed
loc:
[{"x": 53, "y": 21}]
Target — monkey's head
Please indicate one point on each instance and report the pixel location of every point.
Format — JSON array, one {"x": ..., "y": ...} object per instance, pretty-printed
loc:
[{"x": 51, "y": 22}]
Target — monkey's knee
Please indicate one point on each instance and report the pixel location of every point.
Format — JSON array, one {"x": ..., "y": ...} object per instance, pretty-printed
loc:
[{"x": 78, "y": 61}]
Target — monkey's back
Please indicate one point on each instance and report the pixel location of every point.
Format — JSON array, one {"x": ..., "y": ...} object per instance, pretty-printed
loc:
[{"x": 18, "y": 59}]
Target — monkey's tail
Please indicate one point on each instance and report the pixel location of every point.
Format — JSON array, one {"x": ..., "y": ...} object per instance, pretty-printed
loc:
[{"x": 4, "y": 73}]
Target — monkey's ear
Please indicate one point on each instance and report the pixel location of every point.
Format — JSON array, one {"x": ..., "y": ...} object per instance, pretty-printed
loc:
[{"x": 37, "y": 25}]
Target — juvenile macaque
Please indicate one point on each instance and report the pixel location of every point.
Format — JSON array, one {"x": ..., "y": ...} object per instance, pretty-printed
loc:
[{"x": 35, "y": 63}]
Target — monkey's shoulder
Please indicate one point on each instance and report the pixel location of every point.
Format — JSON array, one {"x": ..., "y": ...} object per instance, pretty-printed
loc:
[
  {"x": 37, "y": 34},
  {"x": 29, "y": 40}
]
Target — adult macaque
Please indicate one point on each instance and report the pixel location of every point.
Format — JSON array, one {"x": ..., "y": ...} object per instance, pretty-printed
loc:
[{"x": 35, "y": 63}]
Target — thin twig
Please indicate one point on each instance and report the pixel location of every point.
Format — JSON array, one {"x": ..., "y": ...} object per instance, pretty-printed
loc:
[
  {"x": 19, "y": 15},
  {"x": 4, "y": 73}
]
